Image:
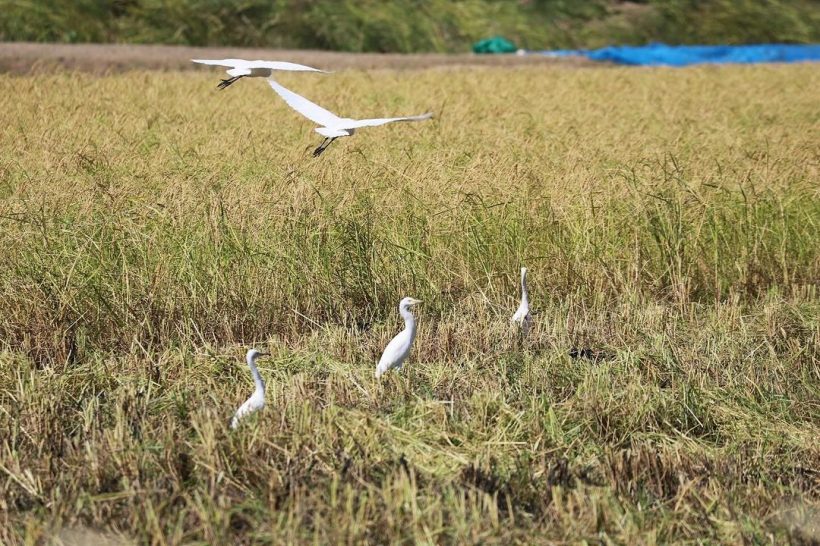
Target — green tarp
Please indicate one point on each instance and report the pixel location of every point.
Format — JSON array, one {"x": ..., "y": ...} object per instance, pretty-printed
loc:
[{"x": 496, "y": 44}]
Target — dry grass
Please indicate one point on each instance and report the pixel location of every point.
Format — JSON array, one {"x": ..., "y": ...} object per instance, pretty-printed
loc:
[{"x": 154, "y": 228}]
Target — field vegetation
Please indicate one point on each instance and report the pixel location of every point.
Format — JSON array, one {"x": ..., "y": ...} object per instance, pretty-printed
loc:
[
  {"x": 436, "y": 25},
  {"x": 154, "y": 228}
]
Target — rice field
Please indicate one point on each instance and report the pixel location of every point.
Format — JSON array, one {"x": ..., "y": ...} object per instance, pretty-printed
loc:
[{"x": 154, "y": 228}]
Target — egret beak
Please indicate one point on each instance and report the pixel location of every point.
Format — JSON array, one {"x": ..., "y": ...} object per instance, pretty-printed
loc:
[
  {"x": 415, "y": 302},
  {"x": 264, "y": 353}
]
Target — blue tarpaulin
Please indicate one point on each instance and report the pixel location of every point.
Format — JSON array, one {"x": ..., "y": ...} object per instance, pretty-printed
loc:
[{"x": 682, "y": 55}]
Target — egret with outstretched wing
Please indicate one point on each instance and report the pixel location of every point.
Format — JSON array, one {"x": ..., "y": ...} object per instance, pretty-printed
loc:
[
  {"x": 331, "y": 125},
  {"x": 240, "y": 68}
]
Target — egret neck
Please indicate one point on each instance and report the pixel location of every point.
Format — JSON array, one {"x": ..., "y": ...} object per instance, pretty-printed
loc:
[
  {"x": 257, "y": 379},
  {"x": 409, "y": 320}
]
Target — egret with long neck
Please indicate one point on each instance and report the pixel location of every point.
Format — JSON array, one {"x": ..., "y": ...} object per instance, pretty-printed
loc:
[
  {"x": 257, "y": 400},
  {"x": 522, "y": 315},
  {"x": 399, "y": 347}
]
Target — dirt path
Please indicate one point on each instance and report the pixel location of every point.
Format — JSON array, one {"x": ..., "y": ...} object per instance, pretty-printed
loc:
[{"x": 22, "y": 57}]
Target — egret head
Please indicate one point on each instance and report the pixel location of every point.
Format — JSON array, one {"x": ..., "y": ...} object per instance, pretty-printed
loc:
[
  {"x": 523, "y": 272},
  {"x": 406, "y": 303},
  {"x": 253, "y": 354}
]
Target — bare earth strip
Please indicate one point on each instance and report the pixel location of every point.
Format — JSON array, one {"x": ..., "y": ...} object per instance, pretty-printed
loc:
[{"x": 22, "y": 57}]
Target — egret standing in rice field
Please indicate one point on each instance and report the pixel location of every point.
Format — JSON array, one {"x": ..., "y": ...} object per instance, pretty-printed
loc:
[
  {"x": 399, "y": 347},
  {"x": 522, "y": 315},
  {"x": 257, "y": 400}
]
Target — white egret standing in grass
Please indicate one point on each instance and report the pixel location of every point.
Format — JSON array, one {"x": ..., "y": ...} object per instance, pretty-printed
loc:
[
  {"x": 399, "y": 347},
  {"x": 522, "y": 315},
  {"x": 257, "y": 400},
  {"x": 240, "y": 68},
  {"x": 332, "y": 126}
]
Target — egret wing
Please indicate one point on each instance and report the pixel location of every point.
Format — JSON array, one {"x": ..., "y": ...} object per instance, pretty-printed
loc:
[
  {"x": 312, "y": 111},
  {"x": 250, "y": 406},
  {"x": 282, "y": 65},
  {"x": 395, "y": 353},
  {"x": 222, "y": 62},
  {"x": 243, "y": 410},
  {"x": 522, "y": 312},
  {"x": 356, "y": 123}
]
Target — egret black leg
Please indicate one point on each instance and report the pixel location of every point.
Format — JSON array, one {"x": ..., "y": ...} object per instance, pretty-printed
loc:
[
  {"x": 225, "y": 83},
  {"x": 319, "y": 149},
  {"x": 323, "y": 146}
]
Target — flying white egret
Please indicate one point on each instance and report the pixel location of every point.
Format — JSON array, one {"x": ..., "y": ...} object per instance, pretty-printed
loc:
[
  {"x": 522, "y": 315},
  {"x": 332, "y": 126},
  {"x": 257, "y": 400},
  {"x": 240, "y": 68},
  {"x": 399, "y": 347}
]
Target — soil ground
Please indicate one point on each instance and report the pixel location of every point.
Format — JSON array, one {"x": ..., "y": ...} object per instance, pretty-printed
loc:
[{"x": 22, "y": 57}]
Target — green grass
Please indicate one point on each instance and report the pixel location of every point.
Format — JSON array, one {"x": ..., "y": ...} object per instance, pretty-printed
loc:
[
  {"x": 153, "y": 228},
  {"x": 435, "y": 25}
]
